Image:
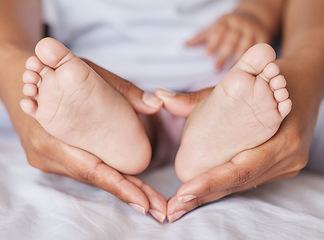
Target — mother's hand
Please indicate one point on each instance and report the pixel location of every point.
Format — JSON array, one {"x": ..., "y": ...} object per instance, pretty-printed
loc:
[
  {"x": 284, "y": 155},
  {"x": 51, "y": 155}
]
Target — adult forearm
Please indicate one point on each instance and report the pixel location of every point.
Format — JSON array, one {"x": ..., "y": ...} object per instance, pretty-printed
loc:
[
  {"x": 303, "y": 38},
  {"x": 20, "y": 28},
  {"x": 20, "y": 22},
  {"x": 302, "y": 60}
]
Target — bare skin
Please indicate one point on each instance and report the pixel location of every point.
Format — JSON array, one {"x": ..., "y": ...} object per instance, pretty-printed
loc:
[
  {"x": 286, "y": 153},
  {"x": 75, "y": 105},
  {"x": 21, "y": 28},
  {"x": 244, "y": 110},
  {"x": 282, "y": 156}
]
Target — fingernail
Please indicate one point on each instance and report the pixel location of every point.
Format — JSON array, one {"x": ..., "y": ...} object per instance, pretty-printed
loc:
[
  {"x": 175, "y": 216},
  {"x": 151, "y": 101},
  {"x": 157, "y": 215},
  {"x": 164, "y": 92},
  {"x": 186, "y": 198},
  {"x": 138, "y": 208}
]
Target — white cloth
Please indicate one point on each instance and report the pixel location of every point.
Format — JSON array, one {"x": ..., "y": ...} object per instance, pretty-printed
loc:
[
  {"x": 143, "y": 40},
  {"x": 38, "y": 206}
]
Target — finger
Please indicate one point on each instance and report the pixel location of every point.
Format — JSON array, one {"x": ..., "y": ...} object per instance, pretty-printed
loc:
[
  {"x": 215, "y": 38},
  {"x": 176, "y": 209},
  {"x": 198, "y": 39},
  {"x": 87, "y": 168},
  {"x": 181, "y": 104},
  {"x": 244, "y": 179},
  {"x": 84, "y": 167},
  {"x": 158, "y": 204},
  {"x": 142, "y": 102},
  {"x": 227, "y": 48},
  {"x": 241, "y": 169}
]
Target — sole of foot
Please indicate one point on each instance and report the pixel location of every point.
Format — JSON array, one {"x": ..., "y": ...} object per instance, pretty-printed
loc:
[
  {"x": 74, "y": 104},
  {"x": 244, "y": 110}
]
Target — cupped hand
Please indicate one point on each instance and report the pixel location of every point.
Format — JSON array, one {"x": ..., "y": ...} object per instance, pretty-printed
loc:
[
  {"x": 283, "y": 156},
  {"x": 49, "y": 154},
  {"x": 230, "y": 36}
]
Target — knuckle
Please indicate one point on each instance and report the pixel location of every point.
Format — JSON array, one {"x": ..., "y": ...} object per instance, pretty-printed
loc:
[
  {"x": 37, "y": 144},
  {"x": 115, "y": 190},
  {"x": 295, "y": 142},
  {"x": 32, "y": 162},
  {"x": 242, "y": 176},
  {"x": 88, "y": 174},
  {"x": 210, "y": 184},
  {"x": 294, "y": 174},
  {"x": 199, "y": 202},
  {"x": 36, "y": 162},
  {"x": 194, "y": 98},
  {"x": 300, "y": 163}
]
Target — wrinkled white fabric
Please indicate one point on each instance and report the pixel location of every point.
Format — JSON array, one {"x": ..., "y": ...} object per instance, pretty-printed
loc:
[{"x": 36, "y": 205}]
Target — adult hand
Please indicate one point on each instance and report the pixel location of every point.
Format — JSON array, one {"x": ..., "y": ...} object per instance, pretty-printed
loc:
[
  {"x": 142, "y": 102},
  {"x": 230, "y": 36},
  {"x": 284, "y": 155},
  {"x": 51, "y": 155}
]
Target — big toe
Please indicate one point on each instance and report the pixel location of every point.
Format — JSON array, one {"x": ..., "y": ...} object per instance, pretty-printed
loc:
[
  {"x": 52, "y": 53},
  {"x": 256, "y": 58}
]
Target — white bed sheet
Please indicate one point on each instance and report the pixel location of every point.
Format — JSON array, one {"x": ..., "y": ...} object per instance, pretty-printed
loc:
[{"x": 36, "y": 205}]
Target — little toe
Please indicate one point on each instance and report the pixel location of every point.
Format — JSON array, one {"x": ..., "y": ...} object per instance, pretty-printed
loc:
[
  {"x": 271, "y": 70},
  {"x": 53, "y": 53},
  {"x": 284, "y": 107},
  {"x": 30, "y": 90},
  {"x": 256, "y": 59},
  {"x": 28, "y": 106},
  {"x": 281, "y": 94},
  {"x": 31, "y": 77},
  {"x": 278, "y": 82},
  {"x": 34, "y": 64}
]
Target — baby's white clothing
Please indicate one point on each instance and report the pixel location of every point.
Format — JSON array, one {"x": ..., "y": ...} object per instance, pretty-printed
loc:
[{"x": 142, "y": 41}]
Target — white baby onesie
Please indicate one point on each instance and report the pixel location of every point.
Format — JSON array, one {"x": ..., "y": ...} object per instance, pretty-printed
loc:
[{"x": 142, "y": 41}]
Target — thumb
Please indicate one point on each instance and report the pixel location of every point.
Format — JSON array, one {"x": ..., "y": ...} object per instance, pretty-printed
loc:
[
  {"x": 142, "y": 102},
  {"x": 181, "y": 104}
]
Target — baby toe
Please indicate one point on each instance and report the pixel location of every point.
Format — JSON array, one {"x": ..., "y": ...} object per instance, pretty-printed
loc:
[
  {"x": 256, "y": 59},
  {"x": 30, "y": 90},
  {"x": 271, "y": 70},
  {"x": 281, "y": 94},
  {"x": 28, "y": 106},
  {"x": 31, "y": 77},
  {"x": 34, "y": 64},
  {"x": 284, "y": 107},
  {"x": 278, "y": 82}
]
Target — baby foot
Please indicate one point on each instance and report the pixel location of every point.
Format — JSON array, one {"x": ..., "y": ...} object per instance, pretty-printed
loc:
[
  {"x": 74, "y": 104},
  {"x": 244, "y": 110}
]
